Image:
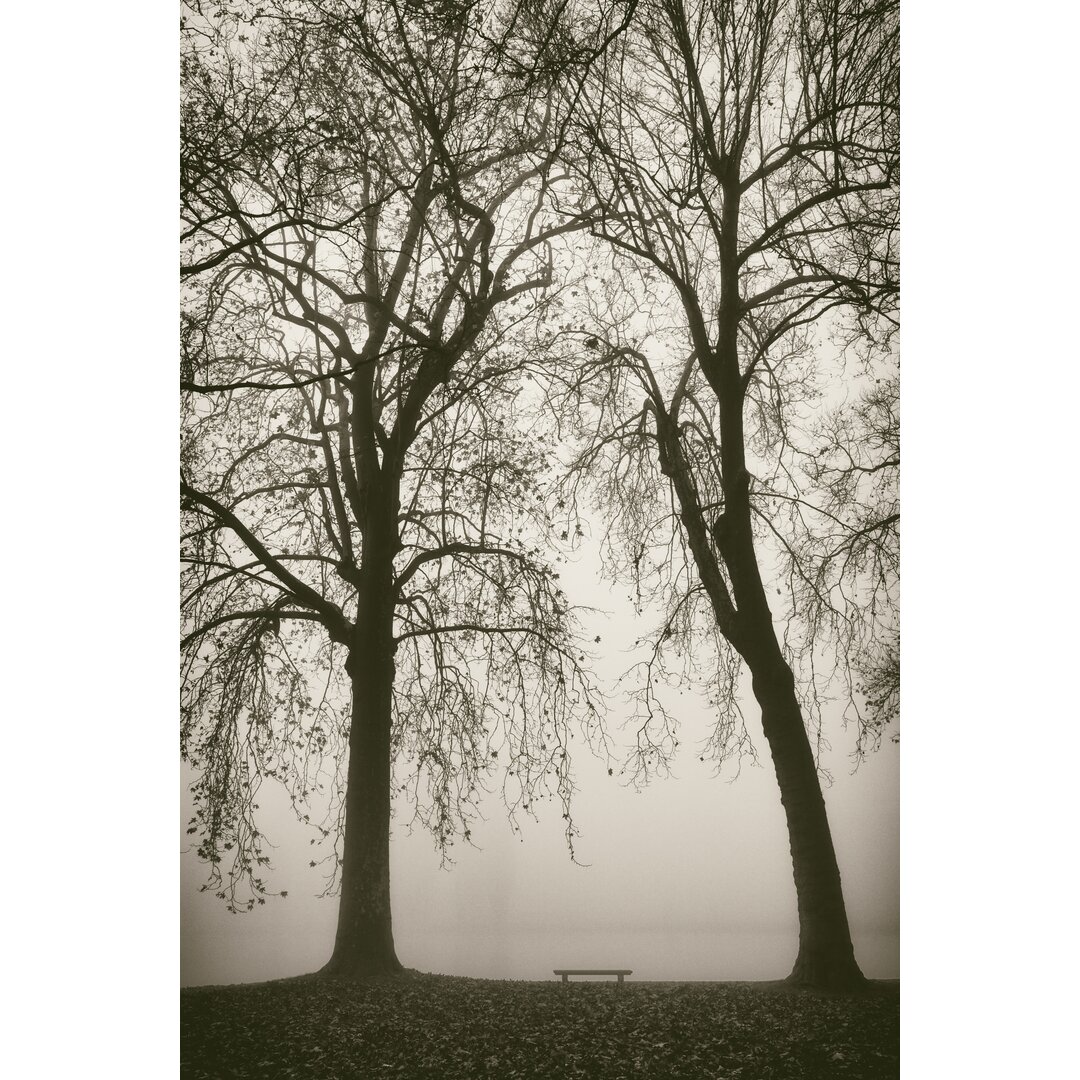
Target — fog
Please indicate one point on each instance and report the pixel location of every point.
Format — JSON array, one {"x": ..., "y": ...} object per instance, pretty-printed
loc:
[{"x": 688, "y": 878}]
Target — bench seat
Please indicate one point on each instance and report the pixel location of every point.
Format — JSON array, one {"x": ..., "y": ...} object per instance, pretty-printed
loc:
[{"x": 566, "y": 972}]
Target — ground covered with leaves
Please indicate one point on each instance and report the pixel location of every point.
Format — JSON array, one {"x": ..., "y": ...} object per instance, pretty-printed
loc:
[{"x": 433, "y": 1026}]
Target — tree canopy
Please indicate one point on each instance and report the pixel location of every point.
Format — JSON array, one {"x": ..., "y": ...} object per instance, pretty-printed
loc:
[{"x": 367, "y": 244}]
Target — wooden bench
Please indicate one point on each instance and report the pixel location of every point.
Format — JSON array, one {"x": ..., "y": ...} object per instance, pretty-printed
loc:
[{"x": 566, "y": 972}]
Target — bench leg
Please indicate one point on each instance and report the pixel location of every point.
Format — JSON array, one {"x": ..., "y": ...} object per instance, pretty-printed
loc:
[
  {"x": 565, "y": 979},
  {"x": 619, "y": 982}
]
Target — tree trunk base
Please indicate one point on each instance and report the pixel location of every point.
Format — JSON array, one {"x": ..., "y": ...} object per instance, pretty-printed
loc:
[
  {"x": 361, "y": 967},
  {"x": 827, "y": 973},
  {"x": 364, "y": 947}
]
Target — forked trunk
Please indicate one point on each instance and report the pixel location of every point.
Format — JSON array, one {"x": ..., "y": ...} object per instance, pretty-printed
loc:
[
  {"x": 365, "y": 941},
  {"x": 826, "y": 957}
]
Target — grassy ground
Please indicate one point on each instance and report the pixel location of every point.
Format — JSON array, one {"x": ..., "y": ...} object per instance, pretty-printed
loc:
[{"x": 435, "y": 1026}]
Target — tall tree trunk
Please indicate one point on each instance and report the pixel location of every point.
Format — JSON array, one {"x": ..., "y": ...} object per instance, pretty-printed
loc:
[
  {"x": 826, "y": 957},
  {"x": 365, "y": 941}
]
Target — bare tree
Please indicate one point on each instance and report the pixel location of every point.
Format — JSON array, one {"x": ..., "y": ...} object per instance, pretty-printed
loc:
[
  {"x": 740, "y": 158},
  {"x": 366, "y": 237},
  {"x": 844, "y": 569}
]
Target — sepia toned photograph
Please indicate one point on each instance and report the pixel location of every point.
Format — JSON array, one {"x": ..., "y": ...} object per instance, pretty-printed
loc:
[
  {"x": 540, "y": 539},
  {"x": 540, "y": 591}
]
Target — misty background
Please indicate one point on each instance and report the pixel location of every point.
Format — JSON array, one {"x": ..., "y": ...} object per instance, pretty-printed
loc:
[{"x": 689, "y": 878}]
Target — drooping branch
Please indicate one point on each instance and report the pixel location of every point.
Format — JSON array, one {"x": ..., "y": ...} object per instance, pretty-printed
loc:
[{"x": 331, "y": 616}]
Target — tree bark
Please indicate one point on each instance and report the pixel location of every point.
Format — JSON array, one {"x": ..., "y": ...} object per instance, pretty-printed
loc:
[
  {"x": 826, "y": 957},
  {"x": 364, "y": 944}
]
